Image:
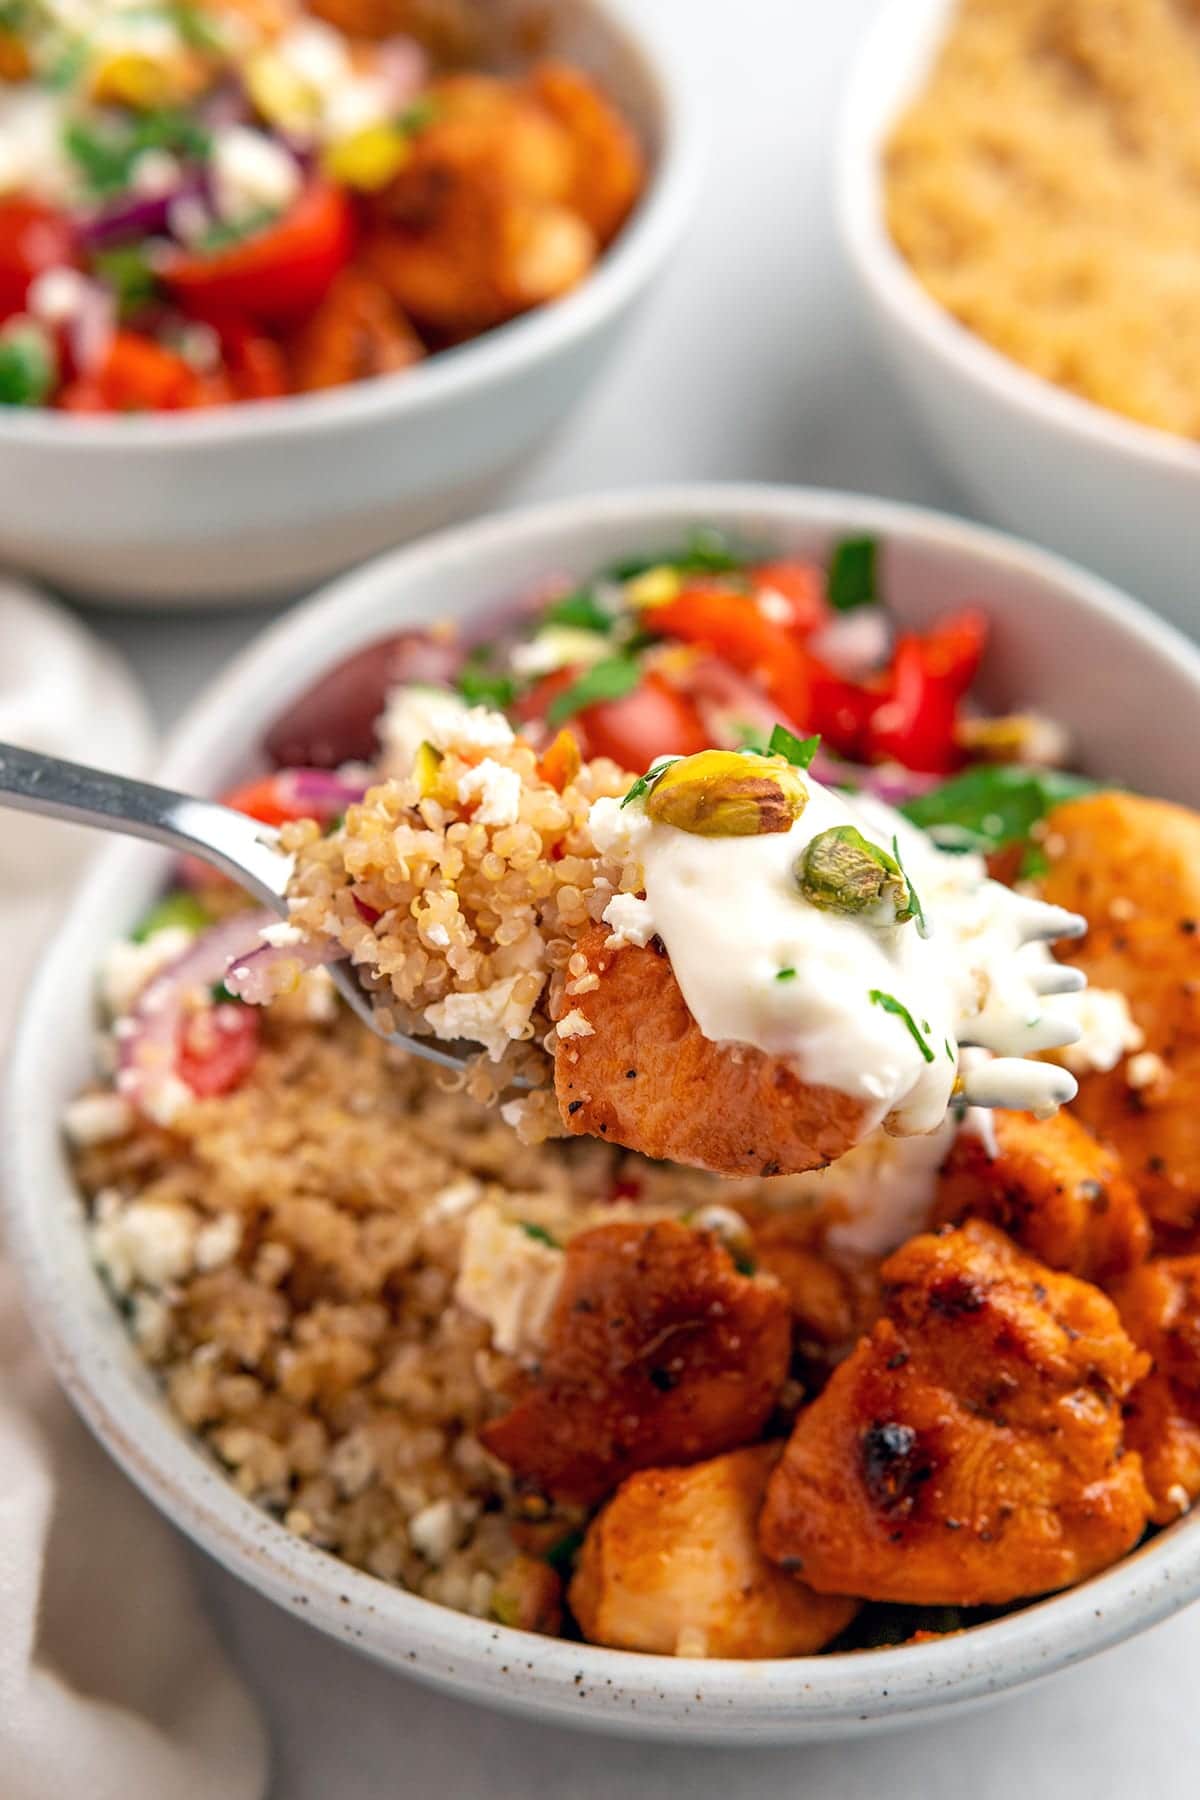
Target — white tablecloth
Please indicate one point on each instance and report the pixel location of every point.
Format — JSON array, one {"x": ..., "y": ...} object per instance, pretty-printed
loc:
[{"x": 750, "y": 363}]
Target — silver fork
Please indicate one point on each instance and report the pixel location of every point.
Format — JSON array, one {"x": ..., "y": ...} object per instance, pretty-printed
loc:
[{"x": 239, "y": 847}]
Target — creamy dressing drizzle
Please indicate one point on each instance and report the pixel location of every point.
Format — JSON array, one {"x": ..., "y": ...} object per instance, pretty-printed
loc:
[{"x": 758, "y": 964}]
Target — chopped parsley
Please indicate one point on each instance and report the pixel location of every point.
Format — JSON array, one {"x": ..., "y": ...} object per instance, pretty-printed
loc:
[
  {"x": 223, "y": 234},
  {"x": 223, "y": 997},
  {"x": 581, "y": 610},
  {"x": 610, "y": 679},
  {"x": 744, "y": 1263},
  {"x": 1034, "y": 863},
  {"x": 561, "y": 1555},
  {"x": 539, "y": 1234},
  {"x": 851, "y": 581},
  {"x": 126, "y": 272},
  {"x": 798, "y": 751},
  {"x": 105, "y": 148},
  {"x": 949, "y": 1049},
  {"x": 645, "y": 782},
  {"x": 897, "y": 1008},
  {"x": 704, "y": 551},
  {"x": 420, "y": 114},
  {"x": 785, "y": 975},
  {"x": 915, "y": 909},
  {"x": 28, "y": 368},
  {"x": 993, "y": 805},
  {"x": 483, "y": 686}
]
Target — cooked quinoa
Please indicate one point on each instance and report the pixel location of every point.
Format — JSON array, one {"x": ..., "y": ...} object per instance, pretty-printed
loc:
[
  {"x": 1044, "y": 188},
  {"x": 291, "y": 1260}
]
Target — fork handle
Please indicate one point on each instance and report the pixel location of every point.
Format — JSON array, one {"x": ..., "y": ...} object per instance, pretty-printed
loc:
[{"x": 238, "y": 846}]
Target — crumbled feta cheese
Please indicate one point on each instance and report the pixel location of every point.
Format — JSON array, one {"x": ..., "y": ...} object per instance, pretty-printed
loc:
[
  {"x": 573, "y": 1025},
  {"x": 282, "y": 935},
  {"x": 128, "y": 968},
  {"x": 433, "y": 1532},
  {"x": 189, "y": 219},
  {"x": 97, "y": 1119},
  {"x": 631, "y": 920},
  {"x": 56, "y": 295},
  {"x": 455, "y": 1198},
  {"x": 1107, "y": 1030},
  {"x": 1146, "y": 1070},
  {"x": 145, "y": 1244},
  {"x": 217, "y": 1243},
  {"x": 316, "y": 54},
  {"x": 558, "y": 646},
  {"x": 489, "y": 1017},
  {"x": 154, "y": 172},
  {"x": 414, "y": 716},
  {"x": 774, "y": 606},
  {"x": 482, "y": 729},
  {"x": 499, "y": 791},
  {"x": 509, "y": 1279},
  {"x": 251, "y": 173}
]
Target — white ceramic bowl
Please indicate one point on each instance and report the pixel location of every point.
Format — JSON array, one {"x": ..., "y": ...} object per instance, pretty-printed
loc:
[
  {"x": 1122, "y": 497},
  {"x": 245, "y": 502},
  {"x": 1063, "y": 642}
]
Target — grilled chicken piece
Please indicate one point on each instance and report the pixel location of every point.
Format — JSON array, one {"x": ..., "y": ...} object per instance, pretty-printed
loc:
[
  {"x": 672, "y": 1565},
  {"x": 356, "y": 332},
  {"x": 1132, "y": 868},
  {"x": 1160, "y": 1308},
  {"x": 647, "y": 1077},
  {"x": 657, "y": 1351},
  {"x": 608, "y": 166},
  {"x": 1053, "y": 1189},
  {"x": 969, "y": 1451}
]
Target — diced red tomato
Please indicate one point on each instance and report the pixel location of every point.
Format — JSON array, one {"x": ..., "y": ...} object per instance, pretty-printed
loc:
[
  {"x": 136, "y": 375},
  {"x": 218, "y": 1048},
  {"x": 271, "y": 799},
  {"x": 841, "y": 711},
  {"x": 656, "y": 719},
  {"x": 914, "y": 724},
  {"x": 279, "y": 274},
  {"x": 734, "y": 627},
  {"x": 801, "y": 585},
  {"x": 32, "y": 238}
]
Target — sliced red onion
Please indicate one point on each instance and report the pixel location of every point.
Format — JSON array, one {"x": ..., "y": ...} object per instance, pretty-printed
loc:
[
  {"x": 148, "y": 1038},
  {"x": 888, "y": 782},
  {"x": 139, "y": 215},
  {"x": 253, "y": 978},
  {"x": 323, "y": 793}
]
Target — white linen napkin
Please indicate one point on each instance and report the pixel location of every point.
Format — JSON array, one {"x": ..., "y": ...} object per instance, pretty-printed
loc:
[{"x": 112, "y": 1684}]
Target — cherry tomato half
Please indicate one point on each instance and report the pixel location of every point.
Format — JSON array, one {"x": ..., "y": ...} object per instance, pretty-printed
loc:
[
  {"x": 656, "y": 719},
  {"x": 277, "y": 275},
  {"x": 32, "y": 238}
]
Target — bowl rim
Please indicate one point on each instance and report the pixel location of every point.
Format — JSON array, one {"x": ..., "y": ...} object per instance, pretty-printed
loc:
[
  {"x": 500, "y": 355},
  {"x": 585, "y": 1685},
  {"x": 859, "y": 134}
]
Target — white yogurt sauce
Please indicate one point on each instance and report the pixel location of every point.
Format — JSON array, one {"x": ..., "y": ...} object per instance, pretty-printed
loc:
[{"x": 733, "y": 919}]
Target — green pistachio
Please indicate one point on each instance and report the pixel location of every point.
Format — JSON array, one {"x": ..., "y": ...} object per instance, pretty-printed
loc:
[
  {"x": 721, "y": 793},
  {"x": 841, "y": 871}
]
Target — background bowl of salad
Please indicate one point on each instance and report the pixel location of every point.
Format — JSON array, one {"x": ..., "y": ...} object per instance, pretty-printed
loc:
[
  {"x": 1118, "y": 494},
  {"x": 891, "y": 612},
  {"x": 285, "y": 281}
]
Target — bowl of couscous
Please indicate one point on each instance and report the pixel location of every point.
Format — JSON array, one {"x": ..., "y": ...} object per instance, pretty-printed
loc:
[{"x": 1015, "y": 203}]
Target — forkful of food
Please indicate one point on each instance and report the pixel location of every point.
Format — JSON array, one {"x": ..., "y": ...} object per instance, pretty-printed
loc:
[{"x": 722, "y": 962}]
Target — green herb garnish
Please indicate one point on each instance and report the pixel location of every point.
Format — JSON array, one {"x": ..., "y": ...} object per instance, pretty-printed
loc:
[
  {"x": 104, "y": 149},
  {"x": 561, "y": 1555},
  {"x": 851, "y": 581},
  {"x": 1034, "y": 863},
  {"x": 222, "y": 996},
  {"x": 126, "y": 272},
  {"x": 915, "y": 909},
  {"x": 987, "y": 807},
  {"x": 645, "y": 782},
  {"x": 949, "y": 1049},
  {"x": 28, "y": 367},
  {"x": 418, "y": 115},
  {"x": 177, "y": 910},
  {"x": 539, "y": 1234},
  {"x": 223, "y": 234},
  {"x": 743, "y": 1263},
  {"x": 610, "y": 679},
  {"x": 890, "y": 1004},
  {"x": 798, "y": 751},
  {"x": 785, "y": 975},
  {"x": 581, "y": 610},
  {"x": 704, "y": 551},
  {"x": 482, "y": 686}
]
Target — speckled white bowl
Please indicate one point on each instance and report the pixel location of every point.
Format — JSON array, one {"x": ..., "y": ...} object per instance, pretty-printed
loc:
[
  {"x": 1120, "y": 496},
  {"x": 1063, "y": 642},
  {"x": 241, "y": 503}
]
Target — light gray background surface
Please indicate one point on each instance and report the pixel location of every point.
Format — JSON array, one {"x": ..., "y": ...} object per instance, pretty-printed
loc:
[{"x": 749, "y": 363}]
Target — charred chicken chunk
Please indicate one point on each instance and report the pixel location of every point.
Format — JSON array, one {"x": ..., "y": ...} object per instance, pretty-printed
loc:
[
  {"x": 1057, "y": 1192},
  {"x": 657, "y": 1351},
  {"x": 643, "y": 1074},
  {"x": 970, "y": 1450},
  {"x": 1132, "y": 867},
  {"x": 672, "y": 1565},
  {"x": 1160, "y": 1308}
]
